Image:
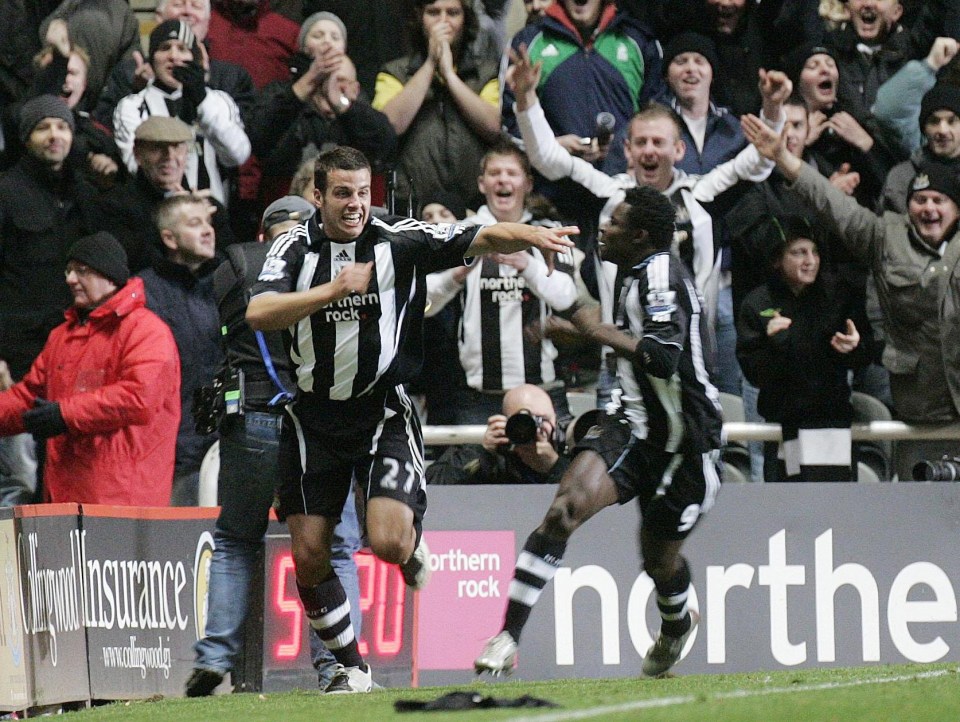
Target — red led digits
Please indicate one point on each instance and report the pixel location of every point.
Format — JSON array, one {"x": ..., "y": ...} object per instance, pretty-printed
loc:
[
  {"x": 383, "y": 598},
  {"x": 383, "y": 593},
  {"x": 393, "y": 596},
  {"x": 367, "y": 572},
  {"x": 287, "y": 605}
]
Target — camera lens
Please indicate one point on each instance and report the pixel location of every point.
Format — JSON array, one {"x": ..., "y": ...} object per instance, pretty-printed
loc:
[
  {"x": 522, "y": 428},
  {"x": 946, "y": 469}
]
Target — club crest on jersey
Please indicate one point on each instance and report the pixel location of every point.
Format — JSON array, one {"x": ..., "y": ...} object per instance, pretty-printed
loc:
[
  {"x": 661, "y": 305},
  {"x": 446, "y": 231},
  {"x": 272, "y": 269}
]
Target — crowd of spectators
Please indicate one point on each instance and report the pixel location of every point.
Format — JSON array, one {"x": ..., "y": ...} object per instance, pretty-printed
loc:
[{"x": 170, "y": 136}]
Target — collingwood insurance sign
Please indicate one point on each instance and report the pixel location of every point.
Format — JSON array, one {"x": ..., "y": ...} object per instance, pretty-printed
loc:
[{"x": 126, "y": 595}]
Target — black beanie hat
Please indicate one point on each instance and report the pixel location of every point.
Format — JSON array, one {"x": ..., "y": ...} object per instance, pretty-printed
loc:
[
  {"x": 794, "y": 61},
  {"x": 449, "y": 200},
  {"x": 43, "y": 106},
  {"x": 104, "y": 254},
  {"x": 941, "y": 96},
  {"x": 689, "y": 42},
  {"x": 934, "y": 176},
  {"x": 173, "y": 30},
  {"x": 784, "y": 230}
]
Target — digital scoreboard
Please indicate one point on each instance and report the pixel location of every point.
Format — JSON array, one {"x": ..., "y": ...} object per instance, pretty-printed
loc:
[{"x": 386, "y": 638}]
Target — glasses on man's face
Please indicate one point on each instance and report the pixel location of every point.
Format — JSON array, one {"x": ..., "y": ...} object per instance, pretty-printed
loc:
[{"x": 79, "y": 269}]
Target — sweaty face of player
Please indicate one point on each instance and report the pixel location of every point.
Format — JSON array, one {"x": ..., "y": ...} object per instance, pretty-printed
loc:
[
  {"x": 345, "y": 204},
  {"x": 618, "y": 242}
]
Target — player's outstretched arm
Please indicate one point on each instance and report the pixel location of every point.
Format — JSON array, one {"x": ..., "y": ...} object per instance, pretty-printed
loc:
[
  {"x": 511, "y": 237},
  {"x": 276, "y": 311}
]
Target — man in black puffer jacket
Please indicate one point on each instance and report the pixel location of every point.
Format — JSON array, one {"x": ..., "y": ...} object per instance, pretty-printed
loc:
[{"x": 179, "y": 290}]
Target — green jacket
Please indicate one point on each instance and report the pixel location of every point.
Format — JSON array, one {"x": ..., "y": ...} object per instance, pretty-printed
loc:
[{"x": 919, "y": 294}]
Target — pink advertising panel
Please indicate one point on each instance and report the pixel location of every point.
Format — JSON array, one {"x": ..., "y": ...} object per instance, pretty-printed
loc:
[{"x": 463, "y": 604}]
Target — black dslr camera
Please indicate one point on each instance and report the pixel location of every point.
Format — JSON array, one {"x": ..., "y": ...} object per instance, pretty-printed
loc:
[
  {"x": 946, "y": 469},
  {"x": 207, "y": 407},
  {"x": 212, "y": 403},
  {"x": 522, "y": 427}
]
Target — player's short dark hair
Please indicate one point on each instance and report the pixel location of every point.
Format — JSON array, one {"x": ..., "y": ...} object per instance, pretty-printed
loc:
[
  {"x": 343, "y": 157},
  {"x": 651, "y": 211},
  {"x": 655, "y": 111}
]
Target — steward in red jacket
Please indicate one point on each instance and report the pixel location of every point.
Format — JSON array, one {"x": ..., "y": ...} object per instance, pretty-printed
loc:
[{"x": 105, "y": 390}]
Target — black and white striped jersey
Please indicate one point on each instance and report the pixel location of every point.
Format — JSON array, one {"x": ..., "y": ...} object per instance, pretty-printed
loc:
[
  {"x": 500, "y": 305},
  {"x": 667, "y": 393},
  {"x": 370, "y": 341}
]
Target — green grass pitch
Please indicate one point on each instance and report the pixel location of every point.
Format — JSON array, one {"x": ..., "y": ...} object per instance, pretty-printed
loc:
[{"x": 913, "y": 693}]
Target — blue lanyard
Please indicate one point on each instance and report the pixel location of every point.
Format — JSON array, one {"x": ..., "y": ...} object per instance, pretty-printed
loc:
[{"x": 284, "y": 395}]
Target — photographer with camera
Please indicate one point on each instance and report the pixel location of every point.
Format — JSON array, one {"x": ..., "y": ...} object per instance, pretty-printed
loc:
[
  {"x": 180, "y": 89},
  {"x": 523, "y": 445}
]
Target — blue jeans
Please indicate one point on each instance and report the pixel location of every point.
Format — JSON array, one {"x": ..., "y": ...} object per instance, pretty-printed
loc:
[
  {"x": 248, "y": 469},
  {"x": 751, "y": 395},
  {"x": 726, "y": 367}
]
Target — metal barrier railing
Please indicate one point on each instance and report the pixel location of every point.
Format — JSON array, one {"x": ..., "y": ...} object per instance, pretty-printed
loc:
[
  {"x": 735, "y": 431},
  {"x": 872, "y": 431}
]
